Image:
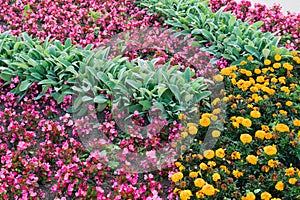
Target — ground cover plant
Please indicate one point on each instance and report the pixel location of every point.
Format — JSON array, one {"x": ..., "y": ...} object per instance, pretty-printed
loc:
[{"x": 246, "y": 150}]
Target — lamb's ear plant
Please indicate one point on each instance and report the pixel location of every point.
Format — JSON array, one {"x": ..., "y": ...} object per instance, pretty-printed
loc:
[
  {"x": 227, "y": 37},
  {"x": 50, "y": 63},
  {"x": 136, "y": 86}
]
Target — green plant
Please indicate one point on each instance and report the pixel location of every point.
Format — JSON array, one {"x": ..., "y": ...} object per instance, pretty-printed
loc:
[
  {"x": 51, "y": 63},
  {"x": 227, "y": 37},
  {"x": 137, "y": 86}
]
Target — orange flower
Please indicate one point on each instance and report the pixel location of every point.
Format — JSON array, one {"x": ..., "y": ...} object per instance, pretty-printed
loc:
[
  {"x": 252, "y": 159},
  {"x": 270, "y": 150}
]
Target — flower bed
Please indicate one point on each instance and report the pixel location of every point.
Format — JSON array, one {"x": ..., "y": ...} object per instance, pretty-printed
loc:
[{"x": 248, "y": 150}]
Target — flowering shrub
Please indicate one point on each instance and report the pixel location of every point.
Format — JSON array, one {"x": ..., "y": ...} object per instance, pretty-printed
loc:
[
  {"x": 286, "y": 26},
  {"x": 263, "y": 124}
]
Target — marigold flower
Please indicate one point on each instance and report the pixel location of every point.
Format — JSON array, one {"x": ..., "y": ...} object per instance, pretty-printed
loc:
[
  {"x": 296, "y": 122},
  {"x": 208, "y": 190},
  {"x": 265, "y": 196},
  {"x": 211, "y": 163},
  {"x": 267, "y": 62},
  {"x": 235, "y": 155},
  {"x": 247, "y": 123},
  {"x": 203, "y": 166},
  {"x": 199, "y": 182},
  {"x": 252, "y": 159},
  {"x": 255, "y": 114},
  {"x": 273, "y": 163},
  {"x": 279, "y": 186},
  {"x": 250, "y": 58},
  {"x": 193, "y": 174},
  {"x": 282, "y": 128},
  {"x": 220, "y": 153},
  {"x": 209, "y": 154},
  {"x": 276, "y": 65},
  {"x": 216, "y": 133},
  {"x": 193, "y": 130},
  {"x": 289, "y": 103},
  {"x": 245, "y": 138},
  {"x": 176, "y": 177},
  {"x": 218, "y": 78},
  {"x": 184, "y": 134},
  {"x": 249, "y": 196},
  {"x": 185, "y": 194},
  {"x": 270, "y": 150},
  {"x": 216, "y": 177},
  {"x": 292, "y": 181},
  {"x": 260, "y": 134},
  {"x": 290, "y": 171},
  {"x": 204, "y": 121},
  {"x": 237, "y": 173},
  {"x": 277, "y": 57}
]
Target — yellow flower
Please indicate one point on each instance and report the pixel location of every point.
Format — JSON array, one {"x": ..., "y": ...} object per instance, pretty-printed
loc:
[
  {"x": 282, "y": 80},
  {"x": 193, "y": 130},
  {"x": 216, "y": 111},
  {"x": 205, "y": 121},
  {"x": 237, "y": 173},
  {"x": 283, "y": 112},
  {"x": 226, "y": 71},
  {"x": 193, "y": 174},
  {"x": 208, "y": 190},
  {"x": 177, "y": 164},
  {"x": 239, "y": 119},
  {"x": 209, "y": 154},
  {"x": 268, "y": 135},
  {"x": 216, "y": 177},
  {"x": 220, "y": 153},
  {"x": 279, "y": 186},
  {"x": 260, "y": 134},
  {"x": 185, "y": 194},
  {"x": 270, "y": 150},
  {"x": 267, "y": 62},
  {"x": 292, "y": 181},
  {"x": 199, "y": 182},
  {"x": 176, "y": 177},
  {"x": 245, "y": 138},
  {"x": 257, "y": 71},
  {"x": 260, "y": 79},
  {"x": 277, "y": 57},
  {"x": 289, "y": 103},
  {"x": 247, "y": 123},
  {"x": 296, "y": 122},
  {"x": 235, "y": 155},
  {"x": 200, "y": 194},
  {"x": 248, "y": 73},
  {"x": 218, "y": 78},
  {"x": 216, "y": 133},
  {"x": 215, "y": 101},
  {"x": 255, "y": 114},
  {"x": 243, "y": 62},
  {"x": 252, "y": 159},
  {"x": 249, "y": 196},
  {"x": 250, "y": 58},
  {"x": 265, "y": 196},
  {"x": 288, "y": 66},
  {"x": 211, "y": 163},
  {"x": 273, "y": 163},
  {"x": 282, "y": 128},
  {"x": 181, "y": 168},
  {"x": 176, "y": 190},
  {"x": 290, "y": 171},
  {"x": 276, "y": 65},
  {"x": 203, "y": 166},
  {"x": 184, "y": 134},
  {"x": 182, "y": 116}
]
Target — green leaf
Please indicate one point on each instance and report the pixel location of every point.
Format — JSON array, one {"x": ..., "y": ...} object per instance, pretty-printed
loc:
[
  {"x": 252, "y": 50},
  {"x": 24, "y": 85},
  {"x": 147, "y": 104},
  {"x": 86, "y": 98},
  {"x": 187, "y": 74},
  {"x": 101, "y": 99},
  {"x": 266, "y": 52},
  {"x": 47, "y": 82}
]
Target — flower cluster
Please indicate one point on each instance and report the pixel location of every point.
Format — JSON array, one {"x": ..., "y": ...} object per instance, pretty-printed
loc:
[
  {"x": 85, "y": 22},
  {"x": 256, "y": 157}
]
